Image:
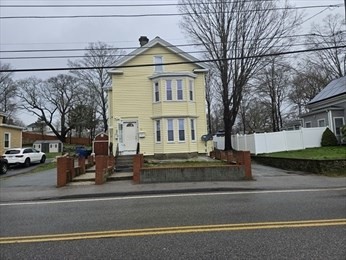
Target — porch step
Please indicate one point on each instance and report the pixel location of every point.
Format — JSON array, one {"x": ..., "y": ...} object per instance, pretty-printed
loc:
[
  {"x": 124, "y": 163},
  {"x": 120, "y": 176}
]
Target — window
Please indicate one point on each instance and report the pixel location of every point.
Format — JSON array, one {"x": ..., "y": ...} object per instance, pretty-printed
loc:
[
  {"x": 170, "y": 131},
  {"x": 158, "y": 60},
  {"x": 191, "y": 90},
  {"x": 321, "y": 123},
  {"x": 158, "y": 131},
  {"x": 156, "y": 92},
  {"x": 338, "y": 122},
  {"x": 179, "y": 89},
  {"x": 168, "y": 89},
  {"x": 181, "y": 129},
  {"x": 193, "y": 133},
  {"x": 307, "y": 124},
  {"x": 7, "y": 142}
]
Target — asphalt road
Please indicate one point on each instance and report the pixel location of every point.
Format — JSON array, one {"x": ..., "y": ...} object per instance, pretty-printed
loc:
[{"x": 300, "y": 224}]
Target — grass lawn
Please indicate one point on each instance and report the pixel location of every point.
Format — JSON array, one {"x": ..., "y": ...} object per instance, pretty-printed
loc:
[{"x": 319, "y": 153}]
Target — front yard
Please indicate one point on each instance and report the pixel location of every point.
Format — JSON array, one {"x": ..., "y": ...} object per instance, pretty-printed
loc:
[{"x": 319, "y": 153}]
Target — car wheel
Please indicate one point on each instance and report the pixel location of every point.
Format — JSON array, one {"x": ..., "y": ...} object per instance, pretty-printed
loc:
[
  {"x": 43, "y": 159},
  {"x": 27, "y": 162},
  {"x": 4, "y": 168}
]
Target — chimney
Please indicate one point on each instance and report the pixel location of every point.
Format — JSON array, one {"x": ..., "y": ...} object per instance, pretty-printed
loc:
[{"x": 143, "y": 40}]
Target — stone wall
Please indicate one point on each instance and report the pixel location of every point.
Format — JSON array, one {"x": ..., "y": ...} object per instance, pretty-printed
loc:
[
  {"x": 304, "y": 165},
  {"x": 192, "y": 174}
]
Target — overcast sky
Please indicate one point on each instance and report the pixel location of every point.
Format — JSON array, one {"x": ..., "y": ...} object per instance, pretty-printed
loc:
[{"x": 65, "y": 33}]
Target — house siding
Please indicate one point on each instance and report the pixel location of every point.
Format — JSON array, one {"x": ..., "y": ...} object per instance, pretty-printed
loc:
[
  {"x": 132, "y": 97},
  {"x": 15, "y": 135}
]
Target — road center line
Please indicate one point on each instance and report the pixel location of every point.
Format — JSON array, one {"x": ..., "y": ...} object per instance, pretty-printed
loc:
[
  {"x": 173, "y": 230},
  {"x": 167, "y": 196}
]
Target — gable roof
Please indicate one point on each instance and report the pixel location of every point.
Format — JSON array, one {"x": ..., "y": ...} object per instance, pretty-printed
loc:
[
  {"x": 152, "y": 43},
  {"x": 335, "y": 88}
]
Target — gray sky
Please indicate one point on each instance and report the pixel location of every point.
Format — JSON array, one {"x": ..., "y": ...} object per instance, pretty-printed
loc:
[{"x": 24, "y": 34}]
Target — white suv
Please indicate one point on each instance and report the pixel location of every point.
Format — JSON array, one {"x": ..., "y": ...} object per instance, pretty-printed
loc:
[{"x": 24, "y": 156}]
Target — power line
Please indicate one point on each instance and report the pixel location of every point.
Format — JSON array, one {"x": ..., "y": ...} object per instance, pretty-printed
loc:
[
  {"x": 173, "y": 63},
  {"x": 155, "y": 14},
  {"x": 133, "y": 48},
  {"x": 126, "y": 55}
]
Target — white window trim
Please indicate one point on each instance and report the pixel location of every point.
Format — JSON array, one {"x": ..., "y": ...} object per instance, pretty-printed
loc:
[
  {"x": 320, "y": 120},
  {"x": 182, "y": 89},
  {"x": 158, "y": 66},
  {"x": 154, "y": 87},
  {"x": 166, "y": 81},
  {"x": 155, "y": 123},
  {"x": 192, "y": 123},
  {"x": 308, "y": 122},
  {"x": 191, "y": 89},
  {"x": 168, "y": 141},
  {"x": 343, "y": 123},
  {"x": 178, "y": 120},
  {"x": 9, "y": 140}
]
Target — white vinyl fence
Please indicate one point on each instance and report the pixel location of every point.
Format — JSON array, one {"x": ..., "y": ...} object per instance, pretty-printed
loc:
[{"x": 274, "y": 142}]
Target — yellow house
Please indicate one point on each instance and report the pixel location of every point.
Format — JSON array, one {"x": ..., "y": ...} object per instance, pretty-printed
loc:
[
  {"x": 10, "y": 135},
  {"x": 157, "y": 102}
]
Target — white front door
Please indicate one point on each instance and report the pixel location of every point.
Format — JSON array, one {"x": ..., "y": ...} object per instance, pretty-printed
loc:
[{"x": 130, "y": 137}]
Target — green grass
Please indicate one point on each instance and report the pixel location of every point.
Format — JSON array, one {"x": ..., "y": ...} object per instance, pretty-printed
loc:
[
  {"x": 320, "y": 153},
  {"x": 44, "y": 167}
]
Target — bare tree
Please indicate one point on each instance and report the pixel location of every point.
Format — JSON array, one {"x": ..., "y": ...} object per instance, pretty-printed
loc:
[
  {"x": 98, "y": 56},
  {"x": 307, "y": 82},
  {"x": 8, "y": 91},
  {"x": 50, "y": 100},
  {"x": 236, "y": 35},
  {"x": 272, "y": 84},
  {"x": 330, "y": 34}
]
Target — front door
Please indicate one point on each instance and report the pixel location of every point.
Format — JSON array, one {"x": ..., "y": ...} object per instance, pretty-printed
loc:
[{"x": 130, "y": 137}]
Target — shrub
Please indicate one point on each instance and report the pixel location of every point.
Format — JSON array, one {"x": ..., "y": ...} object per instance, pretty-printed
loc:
[
  {"x": 329, "y": 138},
  {"x": 343, "y": 133}
]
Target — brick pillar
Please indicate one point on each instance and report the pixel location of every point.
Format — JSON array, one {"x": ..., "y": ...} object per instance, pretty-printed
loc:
[
  {"x": 62, "y": 168},
  {"x": 101, "y": 162},
  {"x": 138, "y": 161},
  {"x": 244, "y": 159},
  {"x": 81, "y": 164}
]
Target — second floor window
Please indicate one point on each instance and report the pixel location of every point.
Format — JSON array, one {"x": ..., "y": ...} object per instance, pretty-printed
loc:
[
  {"x": 168, "y": 89},
  {"x": 193, "y": 133},
  {"x": 158, "y": 60},
  {"x": 191, "y": 90},
  {"x": 179, "y": 89},
  {"x": 156, "y": 92}
]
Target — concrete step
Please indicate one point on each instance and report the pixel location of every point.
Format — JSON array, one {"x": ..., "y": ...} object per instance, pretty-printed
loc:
[{"x": 120, "y": 176}]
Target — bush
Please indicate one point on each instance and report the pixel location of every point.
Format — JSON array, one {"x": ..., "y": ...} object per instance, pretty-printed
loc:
[
  {"x": 343, "y": 133},
  {"x": 329, "y": 138}
]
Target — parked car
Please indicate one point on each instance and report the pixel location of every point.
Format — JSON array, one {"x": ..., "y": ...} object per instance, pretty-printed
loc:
[
  {"x": 24, "y": 156},
  {"x": 3, "y": 165}
]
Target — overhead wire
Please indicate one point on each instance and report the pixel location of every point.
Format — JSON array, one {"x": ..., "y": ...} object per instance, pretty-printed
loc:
[{"x": 173, "y": 63}]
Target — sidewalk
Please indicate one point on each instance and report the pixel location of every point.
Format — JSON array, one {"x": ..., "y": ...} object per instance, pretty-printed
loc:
[{"x": 42, "y": 185}]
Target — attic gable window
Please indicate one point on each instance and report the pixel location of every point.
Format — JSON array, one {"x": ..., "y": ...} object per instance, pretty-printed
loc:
[{"x": 158, "y": 61}]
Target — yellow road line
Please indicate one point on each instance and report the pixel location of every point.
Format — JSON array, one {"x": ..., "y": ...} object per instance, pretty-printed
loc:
[{"x": 172, "y": 230}]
